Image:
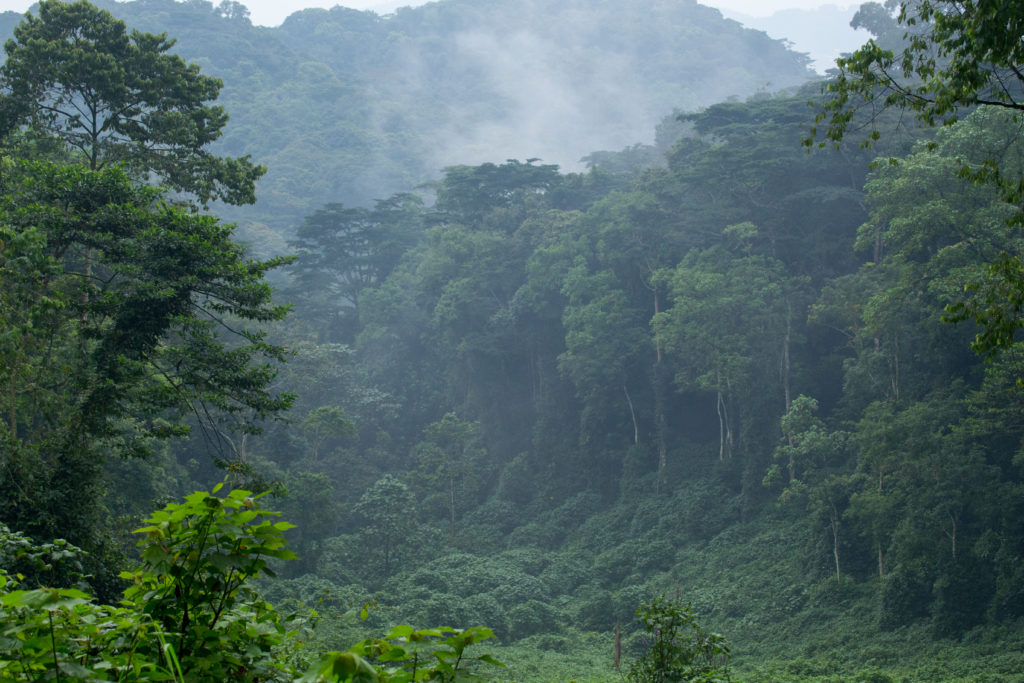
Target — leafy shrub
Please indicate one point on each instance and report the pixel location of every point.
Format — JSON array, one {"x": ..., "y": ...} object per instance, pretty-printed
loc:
[
  {"x": 962, "y": 593},
  {"x": 405, "y": 655},
  {"x": 906, "y": 594},
  {"x": 679, "y": 649},
  {"x": 595, "y": 612},
  {"x": 531, "y": 618},
  {"x": 567, "y": 570},
  {"x": 190, "y": 613},
  {"x": 49, "y": 564}
]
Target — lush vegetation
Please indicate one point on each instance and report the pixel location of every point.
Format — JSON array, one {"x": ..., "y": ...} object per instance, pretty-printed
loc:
[
  {"x": 347, "y": 106},
  {"x": 590, "y": 415}
]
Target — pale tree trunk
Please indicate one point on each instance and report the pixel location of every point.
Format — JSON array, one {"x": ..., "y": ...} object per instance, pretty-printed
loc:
[
  {"x": 659, "y": 416},
  {"x": 662, "y": 448},
  {"x": 878, "y": 541},
  {"x": 894, "y": 369},
  {"x": 786, "y": 384},
  {"x": 835, "y": 541},
  {"x": 451, "y": 505},
  {"x": 785, "y": 357},
  {"x": 721, "y": 427},
  {"x": 632, "y": 414},
  {"x": 659, "y": 403},
  {"x": 657, "y": 339},
  {"x": 725, "y": 440}
]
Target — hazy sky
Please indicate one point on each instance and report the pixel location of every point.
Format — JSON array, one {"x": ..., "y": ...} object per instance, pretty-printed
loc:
[{"x": 273, "y": 12}]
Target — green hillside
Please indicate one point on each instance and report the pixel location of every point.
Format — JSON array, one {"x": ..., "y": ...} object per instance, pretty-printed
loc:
[{"x": 347, "y": 106}]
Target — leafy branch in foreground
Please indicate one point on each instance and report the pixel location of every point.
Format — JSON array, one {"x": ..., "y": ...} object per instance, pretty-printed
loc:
[{"x": 191, "y": 614}]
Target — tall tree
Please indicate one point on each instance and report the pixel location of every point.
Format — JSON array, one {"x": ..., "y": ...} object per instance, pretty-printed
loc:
[
  {"x": 957, "y": 55},
  {"x": 114, "y": 96},
  {"x": 113, "y": 306},
  {"x": 342, "y": 251}
]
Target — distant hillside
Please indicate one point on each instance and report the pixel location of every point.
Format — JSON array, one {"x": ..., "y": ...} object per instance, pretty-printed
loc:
[
  {"x": 824, "y": 33},
  {"x": 345, "y": 105}
]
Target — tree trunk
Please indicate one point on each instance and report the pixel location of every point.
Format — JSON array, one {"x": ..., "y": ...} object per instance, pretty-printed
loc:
[
  {"x": 659, "y": 416},
  {"x": 785, "y": 357},
  {"x": 721, "y": 427},
  {"x": 632, "y": 413},
  {"x": 451, "y": 506},
  {"x": 835, "y": 544},
  {"x": 657, "y": 339},
  {"x": 724, "y": 430}
]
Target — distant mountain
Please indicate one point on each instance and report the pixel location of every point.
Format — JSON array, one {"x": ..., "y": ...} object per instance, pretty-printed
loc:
[
  {"x": 346, "y": 105},
  {"x": 823, "y": 33}
]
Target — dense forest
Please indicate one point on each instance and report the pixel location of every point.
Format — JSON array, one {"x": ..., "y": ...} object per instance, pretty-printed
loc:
[
  {"x": 347, "y": 106},
  {"x": 741, "y": 402}
]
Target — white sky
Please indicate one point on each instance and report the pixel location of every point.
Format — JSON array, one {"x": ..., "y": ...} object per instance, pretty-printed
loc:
[{"x": 273, "y": 12}]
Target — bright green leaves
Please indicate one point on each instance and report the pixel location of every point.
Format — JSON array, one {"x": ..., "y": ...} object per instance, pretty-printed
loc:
[
  {"x": 808, "y": 451},
  {"x": 407, "y": 655},
  {"x": 341, "y": 667},
  {"x": 680, "y": 649},
  {"x": 949, "y": 238},
  {"x": 61, "y": 633},
  {"x": 731, "y": 317},
  {"x": 190, "y": 615},
  {"x": 187, "y": 609},
  {"x": 114, "y": 97},
  {"x": 46, "y": 598},
  {"x": 199, "y": 556}
]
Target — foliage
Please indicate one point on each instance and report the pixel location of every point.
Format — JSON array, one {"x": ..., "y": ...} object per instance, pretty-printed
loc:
[
  {"x": 113, "y": 301},
  {"x": 199, "y": 557},
  {"x": 391, "y": 530},
  {"x": 680, "y": 650},
  {"x": 956, "y": 56},
  {"x": 57, "y": 563},
  {"x": 191, "y": 614},
  {"x": 126, "y": 312},
  {"x": 405, "y": 655},
  {"x": 342, "y": 251},
  {"x": 326, "y": 422},
  {"x": 579, "y": 379},
  {"x": 188, "y": 613},
  {"x": 114, "y": 97}
]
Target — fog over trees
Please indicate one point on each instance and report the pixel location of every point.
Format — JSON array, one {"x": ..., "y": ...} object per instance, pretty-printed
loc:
[{"x": 516, "y": 340}]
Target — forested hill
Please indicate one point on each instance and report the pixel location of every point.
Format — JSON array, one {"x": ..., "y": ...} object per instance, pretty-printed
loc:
[{"x": 345, "y": 105}]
